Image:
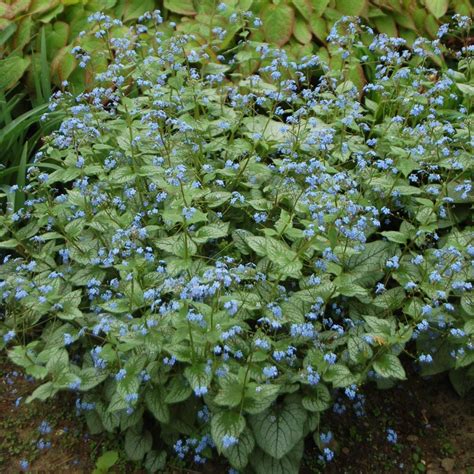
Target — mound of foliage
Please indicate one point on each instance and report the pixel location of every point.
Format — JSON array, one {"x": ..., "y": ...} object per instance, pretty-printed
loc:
[
  {"x": 38, "y": 35},
  {"x": 208, "y": 262}
]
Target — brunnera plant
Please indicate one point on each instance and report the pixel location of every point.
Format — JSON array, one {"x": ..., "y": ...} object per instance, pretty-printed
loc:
[{"x": 207, "y": 263}]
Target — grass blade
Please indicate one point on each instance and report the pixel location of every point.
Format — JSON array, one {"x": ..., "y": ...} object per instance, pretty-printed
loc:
[
  {"x": 44, "y": 68},
  {"x": 21, "y": 178}
]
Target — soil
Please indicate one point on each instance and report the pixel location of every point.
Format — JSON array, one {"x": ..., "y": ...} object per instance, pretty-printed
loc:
[
  {"x": 71, "y": 449},
  {"x": 434, "y": 427}
]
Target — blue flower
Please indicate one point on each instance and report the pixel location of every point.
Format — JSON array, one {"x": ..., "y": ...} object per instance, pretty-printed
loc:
[
  {"x": 228, "y": 441},
  {"x": 425, "y": 359},
  {"x": 200, "y": 391},
  {"x": 68, "y": 339},
  {"x": 9, "y": 336},
  {"x": 391, "y": 436},
  {"x": 44, "y": 427},
  {"x": 330, "y": 358},
  {"x": 393, "y": 262},
  {"x": 260, "y": 217},
  {"x": 188, "y": 212},
  {"x": 120, "y": 375},
  {"x": 270, "y": 372}
]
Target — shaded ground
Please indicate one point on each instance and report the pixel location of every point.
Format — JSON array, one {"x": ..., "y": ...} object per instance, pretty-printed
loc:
[
  {"x": 24, "y": 436},
  {"x": 434, "y": 427}
]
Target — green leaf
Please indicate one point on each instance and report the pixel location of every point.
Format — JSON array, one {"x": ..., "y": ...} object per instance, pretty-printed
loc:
[
  {"x": 238, "y": 454},
  {"x": 378, "y": 326},
  {"x": 178, "y": 245},
  {"x": 391, "y": 299},
  {"x": 389, "y": 366},
  {"x": 386, "y": 24},
  {"x": 64, "y": 175},
  {"x": 137, "y": 444},
  {"x": 106, "y": 461},
  {"x": 43, "y": 392},
  {"x": 278, "y": 429},
  {"x": 372, "y": 258},
  {"x": 217, "y": 198},
  {"x": 198, "y": 376},
  {"x": 230, "y": 394},
  {"x": 110, "y": 418},
  {"x": 117, "y": 403},
  {"x": 466, "y": 89},
  {"x": 155, "y": 461},
  {"x": 346, "y": 288},
  {"x": 289, "y": 464},
  {"x": 178, "y": 390},
  {"x": 278, "y": 251},
  {"x": 155, "y": 402},
  {"x": 395, "y": 236},
  {"x": 302, "y": 32},
  {"x": 259, "y": 397},
  {"x": 94, "y": 423},
  {"x": 212, "y": 231},
  {"x": 135, "y": 9},
  {"x": 304, "y": 7},
  {"x": 81, "y": 277},
  {"x": 65, "y": 380},
  {"x": 19, "y": 356},
  {"x": 56, "y": 358},
  {"x": 90, "y": 378},
  {"x": 351, "y": 7},
  {"x": 37, "y": 371},
  {"x": 359, "y": 350},
  {"x": 278, "y": 23},
  {"x": 437, "y": 7},
  {"x": 183, "y": 7},
  {"x": 128, "y": 385},
  {"x": 339, "y": 375},
  {"x": 9, "y": 244},
  {"x": 257, "y": 244},
  {"x": 226, "y": 423},
  {"x": 12, "y": 69},
  {"x": 317, "y": 401},
  {"x": 6, "y": 33},
  {"x": 319, "y": 6},
  {"x": 131, "y": 420}
]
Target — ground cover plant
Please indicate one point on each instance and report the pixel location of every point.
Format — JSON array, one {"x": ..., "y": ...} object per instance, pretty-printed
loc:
[{"x": 208, "y": 258}]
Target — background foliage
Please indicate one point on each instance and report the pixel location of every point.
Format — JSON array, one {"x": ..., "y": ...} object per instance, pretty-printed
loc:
[{"x": 295, "y": 23}]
